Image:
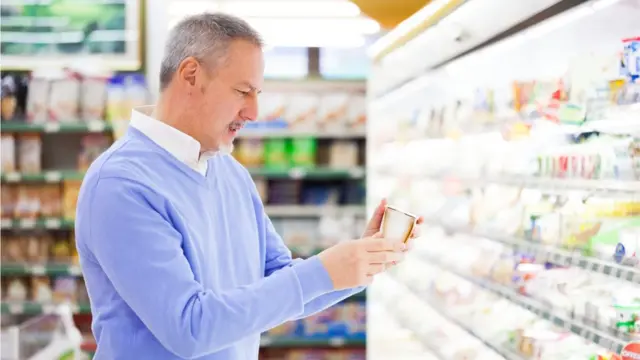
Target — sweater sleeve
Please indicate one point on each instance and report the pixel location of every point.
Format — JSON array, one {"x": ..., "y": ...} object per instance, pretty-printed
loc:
[
  {"x": 132, "y": 239},
  {"x": 279, "y": 257}
]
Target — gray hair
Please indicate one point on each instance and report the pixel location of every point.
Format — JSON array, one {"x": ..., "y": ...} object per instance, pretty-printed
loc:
[{"x": 205, "y": 37}]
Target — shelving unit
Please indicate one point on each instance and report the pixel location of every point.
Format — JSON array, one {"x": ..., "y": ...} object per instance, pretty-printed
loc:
[
  {"x": 517, "y": 143},
  {"x": 58, "y": 168}
]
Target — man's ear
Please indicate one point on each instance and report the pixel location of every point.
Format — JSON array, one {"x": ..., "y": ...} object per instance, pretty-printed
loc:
[{"x": 188, "y": 70}]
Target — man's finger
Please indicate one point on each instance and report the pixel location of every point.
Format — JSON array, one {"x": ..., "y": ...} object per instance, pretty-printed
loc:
[
  {"x": 420, "y": 220},
  {"x": 385, "y": 257},
  {"x": 415, "y": 233},
  {"x": 381, "y": 244},
  {"x": 376, "y": 218},
  {"x": 375, "y": 269}
]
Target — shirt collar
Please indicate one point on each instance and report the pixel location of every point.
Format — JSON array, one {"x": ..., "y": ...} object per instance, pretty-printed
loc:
[{"x": 182, "y": 146}]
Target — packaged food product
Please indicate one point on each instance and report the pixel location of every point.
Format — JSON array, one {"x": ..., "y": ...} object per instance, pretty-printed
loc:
[
  {"x": 631, "y": 60},
  {"x": 272, "y": 107},
  {"x": 37, "y": 251},
  {"x": 136, "y": 91},
  {"x": 29, "y": 153},
  {"x": 250, "y": 152},
  {"x": 50, "y": 200},
  {"x": 71, "y": 189},
  {"x": 41, "y": 290},
  {"x": 27, "y": 202},
  {"x": 65, "y": 289},
  {"x": 276, "y": 153},
  {"x": 93, "y": 97},
  {"x": 13, "y": 250},
  {"x": 357, "y": 111},
  {"x": 9, "y": 194},
  {"x": 8, "y": 153},
  {"x": 8, "y": 110},
  {"x": 17, "y": 290},
  {"x": 93, "y": 145},
  {"x": 64, "y": 99},
  {"x": 38, "y": 100},
  {"x": 343, "y": 154},
  {"x": 61, "y": 251},
  {"x": 333, "y": 110},
  {"x": 302, "y": 111},
  {"x": 397, "y": 224},
  {"x": 303, "y": 152}
]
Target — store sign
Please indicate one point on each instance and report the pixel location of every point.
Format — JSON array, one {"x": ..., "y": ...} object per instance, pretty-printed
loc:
[{"x": 631, "y": 351}]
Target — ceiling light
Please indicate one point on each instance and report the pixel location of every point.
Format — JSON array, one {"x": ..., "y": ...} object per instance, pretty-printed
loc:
[
  {"x": 297, "y": 8},
  {"x": 346, "y": 26}
]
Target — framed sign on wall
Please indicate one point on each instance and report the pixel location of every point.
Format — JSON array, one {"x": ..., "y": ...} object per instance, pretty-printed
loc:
[{"x": 57, "y": 33}]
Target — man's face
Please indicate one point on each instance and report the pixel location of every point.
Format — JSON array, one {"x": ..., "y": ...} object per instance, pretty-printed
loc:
[{"x": 228, "y": 96}]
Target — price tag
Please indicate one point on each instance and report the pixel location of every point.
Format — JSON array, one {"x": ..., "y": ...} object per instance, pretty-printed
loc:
[
  {"x": 53, "y": 223},
  {"x": 48, "y": 309},
  {"x": 52, "y": 176},
  {"x": 356, "y": 173},
  {"x": 336, "y": 342},
  {"x": 27, "y": 223},
  {"x": 74, "y": 270},
  {"x": 13, "y": 177},
  {"x": 51, "y": 127},
  {"x": 96, "y": 126},
  {"x": 6, "y": 223},
  {"x": 297, "y": 173},
  {"x": 16, "y": 308},
  {"x": 38, "y": 270}
]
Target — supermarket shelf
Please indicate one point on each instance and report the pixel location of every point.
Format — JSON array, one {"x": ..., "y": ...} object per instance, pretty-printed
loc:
[
  {"x": 53, "y": 176},
  {"x": 290, "y": 173},
  {"x": 604, "y": 337},
  {"x": 552, "y": 254},
  {"x": 591, "y": 186},
  {"x": 56, "y": 127},
  {"x": 309, "y": 173},
  {"x": 271, "y": 210},
  {"x": 34, "y": 308},
  {"x": 42, "y": 223},
  {"x": 410, "y": 322},
  {"x": 19, "y": 269},
  {"x": 314, "y": 210},
  {"x": 259, "y": 133},
  {"x": 293, "y": 342}
]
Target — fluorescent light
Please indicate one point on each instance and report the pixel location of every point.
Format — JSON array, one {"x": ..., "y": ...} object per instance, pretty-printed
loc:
[
  {"x": 181, "y": 9},
  {"x": 308, "y": 39},
  {"x": 406, "y": 26},
  {"x": 319, "y": 25},
  {"x": 297, "y": 8}
]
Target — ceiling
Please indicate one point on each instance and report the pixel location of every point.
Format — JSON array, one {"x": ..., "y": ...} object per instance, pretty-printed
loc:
[{"x": 389, "y": 13}]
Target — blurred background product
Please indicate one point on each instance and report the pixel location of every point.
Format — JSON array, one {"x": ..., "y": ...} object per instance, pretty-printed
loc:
[
  {"x": 518, "y": 140},
  {"x": 513, "y": 127}
]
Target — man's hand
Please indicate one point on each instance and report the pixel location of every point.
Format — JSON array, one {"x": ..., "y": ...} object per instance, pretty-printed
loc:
[
  {"x": 373, "y": 227},
  {"x": 354, "y": 263}
]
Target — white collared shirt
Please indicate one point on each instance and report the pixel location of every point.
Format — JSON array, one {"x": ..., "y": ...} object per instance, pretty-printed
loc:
[{"x": 182, "y": 146}]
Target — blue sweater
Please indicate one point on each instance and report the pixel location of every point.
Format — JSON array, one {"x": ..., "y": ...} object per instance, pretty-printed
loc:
[{"x": 184, "y": 266}]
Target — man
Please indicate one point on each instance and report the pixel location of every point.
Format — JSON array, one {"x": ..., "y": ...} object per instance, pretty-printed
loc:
[{"x": 179, "y": 257}]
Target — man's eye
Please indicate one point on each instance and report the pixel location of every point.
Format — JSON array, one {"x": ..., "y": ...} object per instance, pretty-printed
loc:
[{"x": 243, "y": 93}]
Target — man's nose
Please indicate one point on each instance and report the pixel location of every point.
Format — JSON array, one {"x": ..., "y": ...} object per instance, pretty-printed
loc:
[{"x": 250, "y": 109}]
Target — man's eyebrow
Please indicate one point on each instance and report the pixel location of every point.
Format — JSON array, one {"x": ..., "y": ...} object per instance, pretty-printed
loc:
[{"x": 253, "y": 88}]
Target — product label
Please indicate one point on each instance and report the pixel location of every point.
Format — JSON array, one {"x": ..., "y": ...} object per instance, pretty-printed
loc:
[{"x": 631, "y": 351}]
